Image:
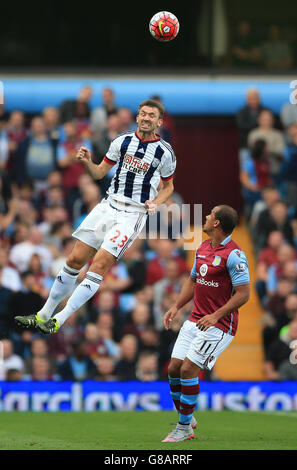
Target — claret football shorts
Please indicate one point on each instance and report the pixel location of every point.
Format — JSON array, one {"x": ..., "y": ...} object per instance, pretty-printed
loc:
[
  {"x": 112, "y": 226},
  {"x": 200, "y": 347}
]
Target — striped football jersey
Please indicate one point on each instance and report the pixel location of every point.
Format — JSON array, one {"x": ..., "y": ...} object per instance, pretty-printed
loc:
[{"x": 140, "y": 167}]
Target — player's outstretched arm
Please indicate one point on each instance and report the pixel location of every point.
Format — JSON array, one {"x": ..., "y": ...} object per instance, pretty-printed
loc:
[
  {"x": 96, "y": 171},
  {"x": 184, "y": 297}
]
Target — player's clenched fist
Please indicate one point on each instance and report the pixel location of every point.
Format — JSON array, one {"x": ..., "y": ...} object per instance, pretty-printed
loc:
[{"x": 84, "y": 155}]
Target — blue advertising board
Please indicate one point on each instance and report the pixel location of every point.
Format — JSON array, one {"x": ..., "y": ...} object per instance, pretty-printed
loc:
[
  {"x": 143, "y": 396},
  {"x": 181, "y": 96}
]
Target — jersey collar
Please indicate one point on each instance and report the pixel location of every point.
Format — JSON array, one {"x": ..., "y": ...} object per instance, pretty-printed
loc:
[
  {"x": 148, "y": 141},
  {"x": 226, "y": 240}
]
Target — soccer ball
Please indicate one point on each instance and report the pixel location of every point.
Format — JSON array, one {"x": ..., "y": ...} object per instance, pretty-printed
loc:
[{"x": 164, "y": 26}]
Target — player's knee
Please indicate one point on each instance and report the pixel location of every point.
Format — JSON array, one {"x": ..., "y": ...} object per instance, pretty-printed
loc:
[
  {"x": 75, "y": 261},
  {"x": 173, "y": 369},
  {"x": 101, "y": 265},
  {"x": 186, "y": 370}
]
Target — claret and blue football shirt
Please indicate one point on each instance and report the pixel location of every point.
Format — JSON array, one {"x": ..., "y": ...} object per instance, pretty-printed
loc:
[{"x": 216, "y": 272}]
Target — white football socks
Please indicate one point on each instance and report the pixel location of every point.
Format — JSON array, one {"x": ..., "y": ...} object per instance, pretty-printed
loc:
[
  {"x": 84, "y": 292},
  {"x": 63, "y": 285}
]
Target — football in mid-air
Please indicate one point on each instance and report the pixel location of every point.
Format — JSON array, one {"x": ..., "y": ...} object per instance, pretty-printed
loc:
[{"x": 164, "y": 26}]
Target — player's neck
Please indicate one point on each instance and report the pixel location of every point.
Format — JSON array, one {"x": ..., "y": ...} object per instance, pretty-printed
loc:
[
  {"x": 146, "y": 136},
  {"x": 216, "y": 239}
]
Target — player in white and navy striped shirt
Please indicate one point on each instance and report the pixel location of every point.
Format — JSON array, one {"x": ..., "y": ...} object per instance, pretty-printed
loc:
[{"x": 143, "y": 159}]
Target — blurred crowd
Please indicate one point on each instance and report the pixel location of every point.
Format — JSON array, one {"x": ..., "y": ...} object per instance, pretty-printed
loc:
[
  {"x": 255, "y": 46},
  {"x": 268, "y": 175},
  {"x": 44, "y": 194}
]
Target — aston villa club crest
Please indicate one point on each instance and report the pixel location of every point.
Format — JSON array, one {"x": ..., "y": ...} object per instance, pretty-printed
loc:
[{"x": 216, "y": 261}]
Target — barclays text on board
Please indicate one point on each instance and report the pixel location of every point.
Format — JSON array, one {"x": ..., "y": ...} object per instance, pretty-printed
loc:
[{"x": 140, "y": 396}]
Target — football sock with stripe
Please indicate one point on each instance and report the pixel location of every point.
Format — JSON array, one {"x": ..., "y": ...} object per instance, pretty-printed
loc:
[
  {"x": 84, "y": 292},
  {"x": 175, "y": 390},
  {"x": 188, "y": 399},
  {"x": 63, "y": 285}
]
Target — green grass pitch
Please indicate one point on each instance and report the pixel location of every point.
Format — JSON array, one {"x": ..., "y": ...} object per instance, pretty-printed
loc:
[{"x": 217, "y": 430}]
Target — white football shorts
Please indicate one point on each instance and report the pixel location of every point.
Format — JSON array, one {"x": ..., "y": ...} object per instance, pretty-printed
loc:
[
  {"x": 200, "y": 347},
  {"x": 111, "y": 226}
]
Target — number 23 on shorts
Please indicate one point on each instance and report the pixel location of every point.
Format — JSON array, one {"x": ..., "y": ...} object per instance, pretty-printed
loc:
[{"x": 118, "y": 238}]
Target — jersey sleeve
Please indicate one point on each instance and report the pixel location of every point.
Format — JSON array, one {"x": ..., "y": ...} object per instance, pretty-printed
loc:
[
  {"x": 168, "y": 167},
  {"x": 113, "y": 153},
  {"x": 238, "y": 268},
  {"x": 193, "y": 273}
]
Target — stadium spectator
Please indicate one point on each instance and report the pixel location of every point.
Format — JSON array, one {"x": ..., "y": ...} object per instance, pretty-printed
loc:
[
  {"x": 244, "y": 52},
  {"x": 274, "y": 218},
  {"x": 288, "y": 114},
  {"x": 269, "y": 196},
  {"x": 99, "y": 342},
  {"x": 274, "y": 139},
  {"x": 60, "y": 345},
  {"x": 67, "y": 244},
  {"x": 42, "y": 280},
  {"x": 13, "y": 375},
  {"x": 101, "y": 143},
  {"x": 125, "y": 366},
  {"x": 135, "y": 264},
  {"x": 16, "y": 132},
  {"x": 275, "y": 53},
  {"x": 26, "y": 300},
  {"x": 255, "y": 175},
  {"x": 156, "y": 267},
  {"x": 100, "y": 114},
  {"x": 107, "y": 321},
  {"x": 247, "y": 116},
  {"x": 70, "y": 167},
  {"x": 276, "y": 313},
  {"x": 289, "y": 170},
  {"x": 137, "y": 321},
  {"x": 51, "y": 120},
  {"x": 126, "y": 120},
  {"x": 4, "y": 149},
  {"x": 22, "y": 252},
  {"x": 285, "y": 254},
  {"x": 106, "y": 369},
  {"x": 41, "y": 369},
  {"x": 68, "y": 108},
  {"x": 10, "y": 359},
  {"x": 35, "y": 156},
  {"x": 9, "y": 276},
  {"x": 149, "y": 339},
  {"x": 90, "y": 196},
  {"x": 39, "y": 349},
  {"x": 147, "y": 367},
  {"x": 78, "y": 366},
  {"x": 4, "y": 116},
  {"x": 278, "y": 365},
  {"x": 266, "y": 258}
]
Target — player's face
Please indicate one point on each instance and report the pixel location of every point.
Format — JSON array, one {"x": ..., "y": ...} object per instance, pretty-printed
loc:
[
  {"x": 148, "y": 119},
  {"x": 210, "y": 222}
]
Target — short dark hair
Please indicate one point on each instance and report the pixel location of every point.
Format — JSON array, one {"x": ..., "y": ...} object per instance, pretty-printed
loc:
[
  {"x": 153, "y": 104},
  {"x": 227, "y": 217}
]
